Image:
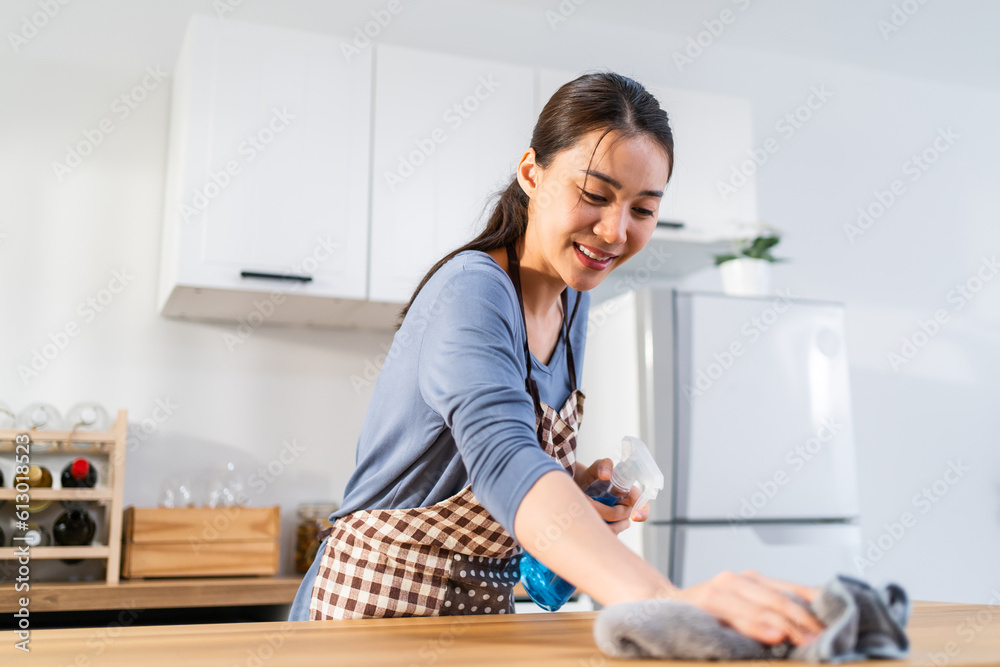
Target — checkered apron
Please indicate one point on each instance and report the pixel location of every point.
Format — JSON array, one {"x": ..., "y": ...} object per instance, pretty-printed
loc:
[{"x": 450, "y": 558}]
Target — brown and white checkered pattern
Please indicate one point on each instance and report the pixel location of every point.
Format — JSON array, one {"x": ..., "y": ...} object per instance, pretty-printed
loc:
[{"x": 386, "y": 563}]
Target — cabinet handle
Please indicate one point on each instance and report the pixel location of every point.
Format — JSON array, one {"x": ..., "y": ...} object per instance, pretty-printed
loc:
[
  {"x": 672, "y": 224},
  {"x": 275, "y": 276}
]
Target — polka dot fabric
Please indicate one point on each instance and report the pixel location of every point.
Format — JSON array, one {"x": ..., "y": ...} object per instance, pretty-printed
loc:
[{"x": 481, "y": 586}]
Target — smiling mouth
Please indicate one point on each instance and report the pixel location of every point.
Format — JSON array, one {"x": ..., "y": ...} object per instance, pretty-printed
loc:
[{"x": 593, "y": 256}]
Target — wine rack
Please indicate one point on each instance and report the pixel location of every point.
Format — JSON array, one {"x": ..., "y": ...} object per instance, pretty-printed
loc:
[{"x": 108, "y": 445}]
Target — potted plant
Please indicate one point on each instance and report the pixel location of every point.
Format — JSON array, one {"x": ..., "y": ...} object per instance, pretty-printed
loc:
[{"x": 747, "y": 271}]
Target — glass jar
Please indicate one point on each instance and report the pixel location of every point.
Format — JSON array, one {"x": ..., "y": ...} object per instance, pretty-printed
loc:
[
  {"x": 40, "y": 417},
  {"x": 88, "y": 416},
  {"x": 313, "y": 517},
  {"x": 8, "y": 418}
]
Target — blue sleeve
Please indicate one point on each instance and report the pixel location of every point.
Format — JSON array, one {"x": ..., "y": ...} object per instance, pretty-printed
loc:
[{"x": 471, "y": 372}]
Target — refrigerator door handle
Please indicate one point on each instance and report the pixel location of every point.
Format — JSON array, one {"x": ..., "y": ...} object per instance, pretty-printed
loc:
[{"x": 777, "y": 534}]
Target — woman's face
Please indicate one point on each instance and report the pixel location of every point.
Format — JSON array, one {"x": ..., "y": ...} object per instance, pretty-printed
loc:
[{"x": 611, "y": 217}]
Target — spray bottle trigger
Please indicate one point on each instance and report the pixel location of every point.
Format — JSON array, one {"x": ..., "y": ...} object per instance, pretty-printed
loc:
[{"x": 643, "y": 499}]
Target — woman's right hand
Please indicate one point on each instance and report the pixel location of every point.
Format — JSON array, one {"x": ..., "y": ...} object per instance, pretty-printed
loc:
[{"x": 756, "y": 606}]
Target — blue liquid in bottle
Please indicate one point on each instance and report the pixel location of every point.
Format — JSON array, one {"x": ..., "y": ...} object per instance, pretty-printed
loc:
[
  {"x": 546, "y": 588},
  {"x": 605, "y": 493}
]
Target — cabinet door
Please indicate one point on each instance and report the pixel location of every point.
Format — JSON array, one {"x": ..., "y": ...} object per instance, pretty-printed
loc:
[
  {"x": 275, "y": 165},
  {"x": 448, "y": 132},
  {"x": 712, "y": 134}
]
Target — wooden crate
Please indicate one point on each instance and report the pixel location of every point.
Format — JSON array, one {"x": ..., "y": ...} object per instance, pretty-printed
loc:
[
  {"x": 110, "y": 445},
  {"x": 200, "y": 541}
]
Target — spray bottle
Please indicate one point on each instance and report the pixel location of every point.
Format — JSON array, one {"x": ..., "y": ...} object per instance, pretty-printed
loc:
[{"x": 548, "y": 590}]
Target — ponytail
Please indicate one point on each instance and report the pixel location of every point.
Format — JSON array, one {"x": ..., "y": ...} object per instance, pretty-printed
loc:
[{"x": 506, "y": 225}]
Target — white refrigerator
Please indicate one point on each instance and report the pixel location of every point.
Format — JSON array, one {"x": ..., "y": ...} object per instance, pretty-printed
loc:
[{"x": 745, "y": 403}]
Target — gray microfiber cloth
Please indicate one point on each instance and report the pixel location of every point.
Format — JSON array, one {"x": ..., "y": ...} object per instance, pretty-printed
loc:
[{"x": 861, "y": 623}]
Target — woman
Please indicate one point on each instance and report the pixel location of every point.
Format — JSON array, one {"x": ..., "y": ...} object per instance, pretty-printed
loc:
[{"x": 472, "y": 426}]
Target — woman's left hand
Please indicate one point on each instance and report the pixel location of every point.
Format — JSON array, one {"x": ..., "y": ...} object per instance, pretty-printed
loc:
[{"x": 617, "y": 517}]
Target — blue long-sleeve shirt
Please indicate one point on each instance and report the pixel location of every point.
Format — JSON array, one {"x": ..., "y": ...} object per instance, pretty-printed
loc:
[{"x": 450, "y": 405}]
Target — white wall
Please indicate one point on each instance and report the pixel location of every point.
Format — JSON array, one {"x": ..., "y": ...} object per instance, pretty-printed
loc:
[{"x": 60, "y": 242}]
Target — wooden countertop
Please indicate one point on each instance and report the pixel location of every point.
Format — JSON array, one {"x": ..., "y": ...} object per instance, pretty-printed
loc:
[
  {"x": 153, "y": 594},
  {"x": 552, "y": 640}
]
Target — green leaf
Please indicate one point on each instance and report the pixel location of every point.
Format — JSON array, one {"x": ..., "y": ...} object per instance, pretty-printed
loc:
[
  {"x": 760, "y": 246},
  {"x": 721, "y": 259}
]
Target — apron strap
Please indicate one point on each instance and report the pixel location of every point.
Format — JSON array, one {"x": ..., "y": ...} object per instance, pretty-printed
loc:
[
  {"x": 514, "y": 268},
  {"x": 569, "y": 345}
]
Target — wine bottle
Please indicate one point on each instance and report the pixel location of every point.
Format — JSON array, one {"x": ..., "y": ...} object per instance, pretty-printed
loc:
[
  {"x": 1, "y": 501},
  {"x": 37, "y": 536},
  {"x": 74, "y": 527},
  {"x": 39, "y": 477},
  {"x": 79, "y": 474}
]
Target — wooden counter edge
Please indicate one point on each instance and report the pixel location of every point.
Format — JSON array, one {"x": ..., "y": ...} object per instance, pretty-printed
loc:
[
  {"x": 152, "y": 594},
  {"x": 925, "y": 612}
]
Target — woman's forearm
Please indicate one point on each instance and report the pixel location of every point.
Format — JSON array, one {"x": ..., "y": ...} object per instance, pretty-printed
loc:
[{"x": 556, "y": 524}]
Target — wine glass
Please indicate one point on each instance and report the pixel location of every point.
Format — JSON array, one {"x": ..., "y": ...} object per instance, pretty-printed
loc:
[
  {"x": 224, "y": 487},
  {"x": 176, "y": 492}
]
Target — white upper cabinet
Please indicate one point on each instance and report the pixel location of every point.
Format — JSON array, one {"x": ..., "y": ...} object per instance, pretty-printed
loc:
[
  {"x": 278, "y": 145},
  {"x": 267, "y": 168},
  {"x": 713, "y": 135},
  {"x": 448, "y": 132}
]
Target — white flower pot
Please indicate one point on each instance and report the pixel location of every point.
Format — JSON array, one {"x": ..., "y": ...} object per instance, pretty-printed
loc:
[{"x": 746, "y": 277}]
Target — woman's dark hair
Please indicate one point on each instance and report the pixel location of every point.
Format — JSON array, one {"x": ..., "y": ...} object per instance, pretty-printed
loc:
[{"x": 594, "y": 101}]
